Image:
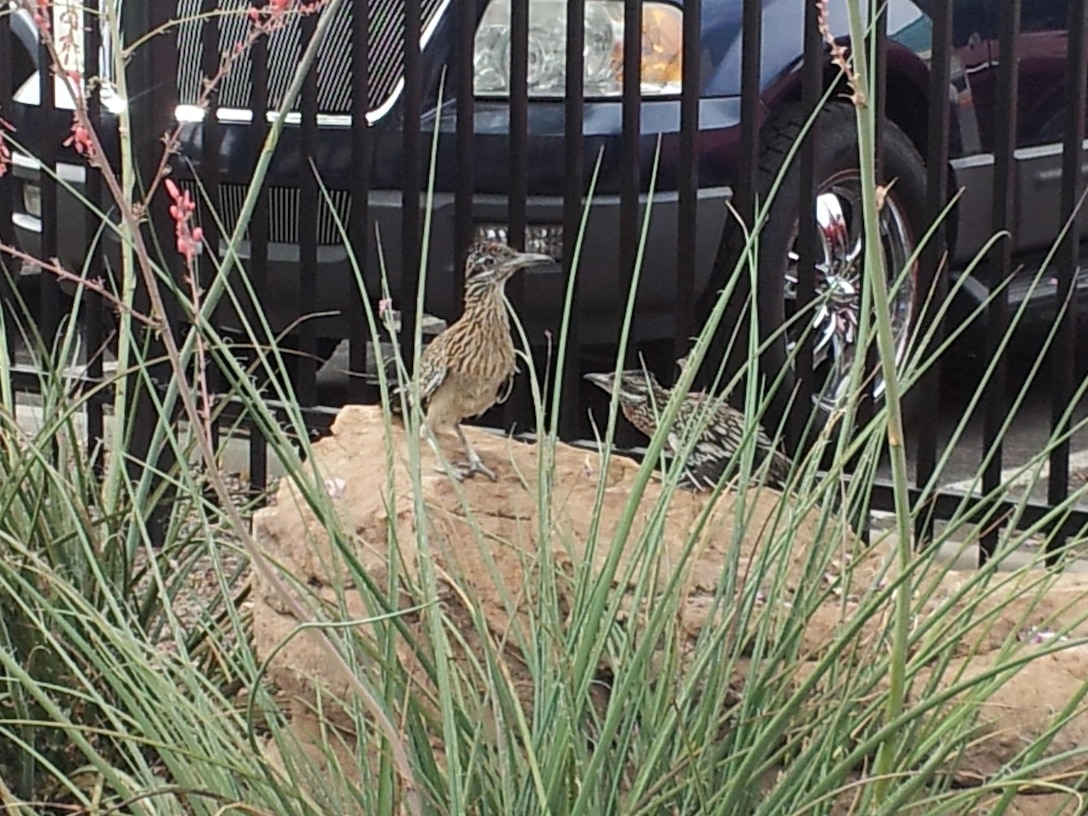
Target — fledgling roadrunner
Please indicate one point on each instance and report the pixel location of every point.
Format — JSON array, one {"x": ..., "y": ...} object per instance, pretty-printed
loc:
[
  {"x": 469, "y": 366},
  {"x": 642, "y": 399}
]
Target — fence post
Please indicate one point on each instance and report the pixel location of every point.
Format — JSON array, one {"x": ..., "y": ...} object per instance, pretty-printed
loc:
[
  {"x": 745, "y": 193},
  {"x": 1001, "y": 258},
  {"x": 1063, "y": 353},
  {"x": 152, "y": 98},
  {"x": 92, "y": 309},
  {"x": 572, "y": 407},
  {"x": 933, "y": 272},
  {"x": 9, "y": 269}
]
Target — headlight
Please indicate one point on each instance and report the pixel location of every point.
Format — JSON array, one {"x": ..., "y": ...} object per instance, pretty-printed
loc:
[
  {"x": 661, "y": 48},
  {"x": 32, "y": 199}
]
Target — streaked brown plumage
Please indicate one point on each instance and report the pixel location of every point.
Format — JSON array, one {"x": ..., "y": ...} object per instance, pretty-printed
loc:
[
  {"x": 469, "y": 367},
  {"x": 642, "y": 399}
]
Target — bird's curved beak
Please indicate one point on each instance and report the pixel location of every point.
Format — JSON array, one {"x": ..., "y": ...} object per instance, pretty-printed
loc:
[
  {"x": 522, "y": 260},
  {"x": 600, "y": 379}
]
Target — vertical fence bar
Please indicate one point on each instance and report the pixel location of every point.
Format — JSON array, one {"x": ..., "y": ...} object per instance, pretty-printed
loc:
[
  {"x": 211, "y": 136},
  {"x": 9, "y": 268},
  {"x": 630, "y": 177},
  {"x": 306, "y": 388},
  {"x": 465, "y": 182},
  {"x": 1063, "y": 353},
  {"x": 258, "y": 243},
  {"x": 688, "y": 180},
  {"x": 748, "y": 160},
  {"x": 411, "y": 179},
  {"x": 49, "y": 318},
  {"x": 808, "y": 237},
  {"x": 629, "y": 152},
  {"x": 1001, "y": 257},
  {"x": 932, "y": 273},
  {"x": 93, "y": 303},
  {"x": 519, "y": 124},
  {"x": 878, "y": 17},
  {"x": 745, "y": 183},
  {"x": 359, "y": 389},
  {"x": 574, "y": 156},
  {"x": 516, "y": 408},
  {"x": 153, "y": 99}
]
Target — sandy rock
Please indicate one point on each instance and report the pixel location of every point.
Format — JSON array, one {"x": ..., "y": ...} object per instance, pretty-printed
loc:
[
  {"x": 490, "y": 556},
  {"x": 1021, "y": 710},
  {"x": 1018, "y": 602},
  {"x": 488, "y": 544},
  {"x": 1052, "y": 804},
  {"x": 1046, "y": 804},
  {"x": 497, "y": 544}
]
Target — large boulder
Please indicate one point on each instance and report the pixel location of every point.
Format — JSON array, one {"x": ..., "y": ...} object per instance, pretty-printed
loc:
[{"x": 485, "y": 540}]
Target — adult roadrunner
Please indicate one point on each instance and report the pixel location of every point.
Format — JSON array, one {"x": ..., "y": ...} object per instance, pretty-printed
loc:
[
  {"x": 643, "y": 399},
  {"x": 469, "y": 366}
]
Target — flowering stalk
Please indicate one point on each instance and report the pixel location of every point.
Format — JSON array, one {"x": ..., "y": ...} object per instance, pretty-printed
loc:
[
  {"x": 79, "y": 138},
  {"x": 188, "y": 240}
]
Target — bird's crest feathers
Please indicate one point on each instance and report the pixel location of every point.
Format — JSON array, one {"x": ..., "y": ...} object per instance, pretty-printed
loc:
[{"x": 491, "y": 263}]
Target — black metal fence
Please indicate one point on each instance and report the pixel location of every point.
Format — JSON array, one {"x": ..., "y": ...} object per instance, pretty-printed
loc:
[{"x": 519, "y": 157}]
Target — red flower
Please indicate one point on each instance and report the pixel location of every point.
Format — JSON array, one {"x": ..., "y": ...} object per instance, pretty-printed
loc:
[
  {"x": 41, "y": 16},
  {"x": 80, "y": 139},
  {"x": 188, "y": 237},
  {"x": 272, "y": 15}
]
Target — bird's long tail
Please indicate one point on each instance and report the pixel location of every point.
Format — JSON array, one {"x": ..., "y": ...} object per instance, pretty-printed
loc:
[{"x": 395, "y": 389}]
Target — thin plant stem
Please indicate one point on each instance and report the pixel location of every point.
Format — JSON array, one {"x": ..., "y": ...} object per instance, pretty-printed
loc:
[{"x": 874, "y": 267}]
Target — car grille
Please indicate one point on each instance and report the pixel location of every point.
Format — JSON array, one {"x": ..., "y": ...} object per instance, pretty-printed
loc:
[
  {"x": 385, "y": 54},
  {"x": 283, "y": 209}
]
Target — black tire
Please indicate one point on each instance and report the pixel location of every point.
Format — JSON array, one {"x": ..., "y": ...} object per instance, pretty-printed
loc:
[{"x": 836, "y": 169}]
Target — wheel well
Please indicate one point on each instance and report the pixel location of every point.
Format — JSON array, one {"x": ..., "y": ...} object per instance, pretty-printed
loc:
[
  {"x": 904, "y": 104},
  {"x": 907, "y": 106}
]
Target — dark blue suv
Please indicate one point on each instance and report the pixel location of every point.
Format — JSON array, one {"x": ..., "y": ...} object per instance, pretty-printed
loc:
[{"x": 972, "y": 91}]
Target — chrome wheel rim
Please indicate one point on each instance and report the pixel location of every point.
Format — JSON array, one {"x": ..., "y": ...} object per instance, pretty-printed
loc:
[{"x": 837, "y": 306}]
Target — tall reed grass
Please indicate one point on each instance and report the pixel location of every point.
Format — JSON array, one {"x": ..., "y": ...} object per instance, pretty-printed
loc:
[{"x": 110, "y": 703}]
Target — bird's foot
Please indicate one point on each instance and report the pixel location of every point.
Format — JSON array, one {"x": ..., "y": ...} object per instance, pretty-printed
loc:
[
  {"x": 462, "y": 472},
  {"x": 476, "y": 466},
  {"x": 456, "y": 471}
]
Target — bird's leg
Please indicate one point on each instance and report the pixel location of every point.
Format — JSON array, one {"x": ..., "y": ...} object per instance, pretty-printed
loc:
[
  {"x": 443, "y": 466},
  {"x": 457, "y": 474},
  {"x": 475, "y": 464},
  {"x": 446, "y": 467}
]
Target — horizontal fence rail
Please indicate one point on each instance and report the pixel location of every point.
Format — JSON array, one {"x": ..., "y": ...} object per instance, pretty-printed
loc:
[{"x": 422, "y": 126}]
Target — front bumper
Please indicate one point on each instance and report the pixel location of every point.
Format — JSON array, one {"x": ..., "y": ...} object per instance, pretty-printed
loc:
[{"x": 602, "y": 296}]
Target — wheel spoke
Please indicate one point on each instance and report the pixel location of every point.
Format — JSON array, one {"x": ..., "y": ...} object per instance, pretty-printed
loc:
[
  {"x": 834, "y": 232},
  {"x": 836, "y": 315}
]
